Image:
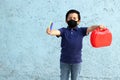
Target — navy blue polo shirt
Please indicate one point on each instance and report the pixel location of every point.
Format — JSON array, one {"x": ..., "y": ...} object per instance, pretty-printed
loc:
[{"x": 71, "y": 44}]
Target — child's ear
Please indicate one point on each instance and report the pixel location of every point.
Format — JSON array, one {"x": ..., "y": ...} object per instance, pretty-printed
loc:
[{"x": 78, "y": 22}]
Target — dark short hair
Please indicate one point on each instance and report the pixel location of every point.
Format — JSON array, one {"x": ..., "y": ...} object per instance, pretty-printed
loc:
[{"x": 73, "y": 11}]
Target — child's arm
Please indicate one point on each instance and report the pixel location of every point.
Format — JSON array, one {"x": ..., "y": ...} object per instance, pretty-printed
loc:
[
  {"x": 52, "y": 32},
  {"x": 90, "y": 29}
]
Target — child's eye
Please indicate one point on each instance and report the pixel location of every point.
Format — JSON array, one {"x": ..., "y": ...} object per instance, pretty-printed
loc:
[{"x": 74, "y": 18}]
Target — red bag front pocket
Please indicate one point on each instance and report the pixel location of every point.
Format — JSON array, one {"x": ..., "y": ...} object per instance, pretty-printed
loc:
[{"x": 100, "y": 38}]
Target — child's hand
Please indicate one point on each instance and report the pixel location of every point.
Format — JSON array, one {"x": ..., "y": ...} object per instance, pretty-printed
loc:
[
  {"x": 52, "y": 32},
  {"x": 48, "y": 31}
]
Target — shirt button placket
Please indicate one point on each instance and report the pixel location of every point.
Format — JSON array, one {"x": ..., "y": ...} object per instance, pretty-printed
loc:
[{"x": 71, "y": 31}]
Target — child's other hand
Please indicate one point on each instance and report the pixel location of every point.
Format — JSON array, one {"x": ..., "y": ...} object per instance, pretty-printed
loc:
[{"x": 102, "y": 27}]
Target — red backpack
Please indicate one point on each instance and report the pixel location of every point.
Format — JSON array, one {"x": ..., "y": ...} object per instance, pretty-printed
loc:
[{"x": 100, "y": 38}]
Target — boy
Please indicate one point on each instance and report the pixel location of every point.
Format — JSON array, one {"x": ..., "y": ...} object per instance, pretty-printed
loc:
[{"x": 71, "y": 44}]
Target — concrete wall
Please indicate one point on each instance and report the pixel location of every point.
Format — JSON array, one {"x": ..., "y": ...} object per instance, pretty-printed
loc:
[{"x": 28, "y": 53}]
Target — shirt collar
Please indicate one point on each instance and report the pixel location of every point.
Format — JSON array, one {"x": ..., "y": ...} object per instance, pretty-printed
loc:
[{"x": 75, "y": 28}]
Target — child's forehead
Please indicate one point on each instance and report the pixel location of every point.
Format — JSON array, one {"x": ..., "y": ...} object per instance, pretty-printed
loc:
[{"x": 73, "y": 15}]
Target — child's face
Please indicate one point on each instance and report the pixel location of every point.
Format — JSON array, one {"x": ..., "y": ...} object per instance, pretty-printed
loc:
[{"x": 73, "y": 16}]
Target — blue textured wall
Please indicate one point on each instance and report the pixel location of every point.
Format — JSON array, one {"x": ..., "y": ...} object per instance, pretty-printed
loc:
[{"x": 28, "y": 53}]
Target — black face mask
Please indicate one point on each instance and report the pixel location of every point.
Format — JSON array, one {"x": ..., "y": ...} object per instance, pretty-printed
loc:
[{"x": 72, "y": 23}]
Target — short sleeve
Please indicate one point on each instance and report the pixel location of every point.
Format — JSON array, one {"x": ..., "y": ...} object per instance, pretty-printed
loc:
[
  {"x": 84, "y": 30},
  {"x": 61, "y": 32}
]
